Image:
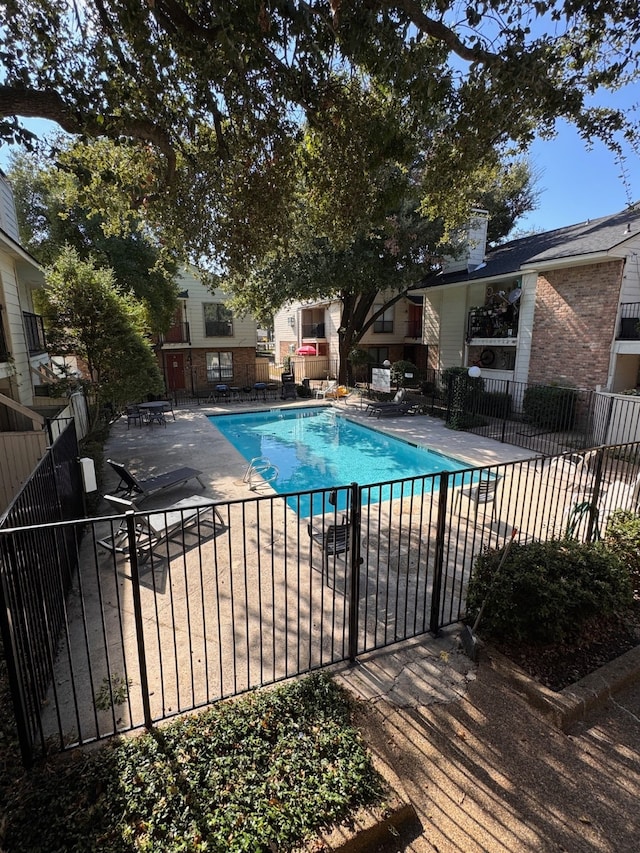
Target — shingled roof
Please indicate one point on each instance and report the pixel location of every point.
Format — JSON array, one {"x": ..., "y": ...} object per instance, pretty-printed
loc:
[{"x": 594, "y": 236}]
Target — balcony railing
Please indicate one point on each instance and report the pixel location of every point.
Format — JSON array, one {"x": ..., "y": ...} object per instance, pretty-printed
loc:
[
  {"x": 177, "y": 334},
  {"x": 489, "y": 322},
  {"x": 218, "y": 328},
  {"x": 313, "y": 330},
  {"x": 34, "y": 332},
  {"x": 629, "y": 322}
]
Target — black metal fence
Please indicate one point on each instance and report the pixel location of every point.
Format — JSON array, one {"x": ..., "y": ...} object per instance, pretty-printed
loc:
[
  {"x": 36, "y": 572},
  {"x": 121, "y": 621}
]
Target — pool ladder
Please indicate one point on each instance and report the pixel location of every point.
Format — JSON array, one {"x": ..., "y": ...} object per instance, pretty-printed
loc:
[{"x": 259, "y": 471}]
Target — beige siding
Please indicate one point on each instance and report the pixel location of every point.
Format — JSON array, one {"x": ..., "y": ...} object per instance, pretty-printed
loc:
[
  {"x": 285, "y": 333},
  {"x": 14, "y": 328},
  {"x": 244, "y": 328},
  {"x": 20, "y": 452},
  {"x": 453, "y": 317},
  {"x": 630, "y": 288},
  {"x": 8, "y": 220}
]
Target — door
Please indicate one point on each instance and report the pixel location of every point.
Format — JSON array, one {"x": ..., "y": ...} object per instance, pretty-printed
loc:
[{"x": 175, "y": 371}]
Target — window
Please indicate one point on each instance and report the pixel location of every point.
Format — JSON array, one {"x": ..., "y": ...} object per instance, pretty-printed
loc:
[
  {"x": 378, "y": 355},
  {"x": 384, "y": 323},
  {"x": 219, "y": 366},
  {"x": 218, "y": 320}
]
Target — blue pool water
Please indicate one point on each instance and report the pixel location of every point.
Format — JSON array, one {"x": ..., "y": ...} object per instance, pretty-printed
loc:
[{"x": 316, "y": 448}]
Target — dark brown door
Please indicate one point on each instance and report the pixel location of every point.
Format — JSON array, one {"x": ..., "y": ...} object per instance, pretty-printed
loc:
[{"x": 175, "y": 371}]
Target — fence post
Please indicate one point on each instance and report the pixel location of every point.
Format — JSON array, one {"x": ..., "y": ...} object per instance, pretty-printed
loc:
[
  {"x": 438, "y": 561},
  {"x": 507, "y": 412},
  {"x": 356, "y": 560},
  {"x": 137, "y": 609}
]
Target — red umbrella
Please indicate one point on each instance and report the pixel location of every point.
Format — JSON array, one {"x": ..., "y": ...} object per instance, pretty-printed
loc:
[{"x": 307, "y": 349}]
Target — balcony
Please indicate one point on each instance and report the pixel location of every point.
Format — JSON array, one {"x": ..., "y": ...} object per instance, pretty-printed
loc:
[
  {"x": 491, "y": 322},
  {"x": 629, "y": 329},
  {"x": 34, "y": 333},
  {"x": 313, "y": 330},
  {"x": 178, "y": 333}
]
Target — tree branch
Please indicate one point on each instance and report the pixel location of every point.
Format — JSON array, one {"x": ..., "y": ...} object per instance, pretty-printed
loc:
[
  {"x": 440, "y": 32},
  {"x": 32, "y": 103}
]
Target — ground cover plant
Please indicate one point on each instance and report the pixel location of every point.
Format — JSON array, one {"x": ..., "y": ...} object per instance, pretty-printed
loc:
[
  {"x": 260, "y": 773},
  {"x": 559, "y": 609}
]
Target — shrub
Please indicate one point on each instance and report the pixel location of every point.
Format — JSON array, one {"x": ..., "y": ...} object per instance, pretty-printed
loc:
[
  {"x": 623, "y": 536},
  {"x": 398, "y": 371},
  {"x": 550, "y": 406},
  {"x": 463, "y": 393},
  {"x": 546, "y": 591}
]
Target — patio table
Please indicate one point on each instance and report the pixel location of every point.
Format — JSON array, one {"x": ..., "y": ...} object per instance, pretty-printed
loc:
[{"x": 155, "y": 411}]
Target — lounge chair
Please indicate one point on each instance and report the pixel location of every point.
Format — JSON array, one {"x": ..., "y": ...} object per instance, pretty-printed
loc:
[
  {"x": 156, "y": 528},
  {"x": 405, "y": 408},
  {"x": 129, "y": 486},
  {"x": 376, "y": 406},
  {"x": 571, "y": 469}
]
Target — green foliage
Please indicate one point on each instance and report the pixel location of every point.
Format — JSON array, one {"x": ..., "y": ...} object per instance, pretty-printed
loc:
[
  {"x": 463, "y": 393},
  {"x": 550, "y": 406},
  {"x": 85, "y": 315},
  {"x": 546, "y": 591},
  {"x": 213, "y": 94},
  {"x": 622, "y": 536},
  {"x": 113, "y": 691},
  {"x": 56, "y": 208},
  {"x": 398, "y": 371},
  {"x": 260, "y": 773}
]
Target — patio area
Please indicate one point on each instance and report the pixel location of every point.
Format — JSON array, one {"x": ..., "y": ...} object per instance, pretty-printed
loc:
[{"x": 239, "y": 600}]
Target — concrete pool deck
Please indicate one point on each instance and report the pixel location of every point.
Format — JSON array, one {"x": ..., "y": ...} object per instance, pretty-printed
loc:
[{"x": 229, "y": 606}]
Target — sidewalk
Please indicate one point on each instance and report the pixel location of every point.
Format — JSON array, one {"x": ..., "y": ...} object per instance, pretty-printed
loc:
[{"x": 483, "y": 772}]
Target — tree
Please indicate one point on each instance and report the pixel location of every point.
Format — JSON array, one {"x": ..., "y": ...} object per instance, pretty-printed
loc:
[
  {"x": 86, "y": 316},
  {"x": 54, "y": 211},
  {"x": 366, "y": 243},
  {"x": 210, "y": 95}
]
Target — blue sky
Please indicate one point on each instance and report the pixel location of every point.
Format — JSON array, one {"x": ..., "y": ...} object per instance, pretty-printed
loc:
[{"x": 577, "y": 183}]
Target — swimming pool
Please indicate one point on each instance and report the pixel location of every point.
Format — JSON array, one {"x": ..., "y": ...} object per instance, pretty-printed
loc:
[{"x": 316, "y": 448}]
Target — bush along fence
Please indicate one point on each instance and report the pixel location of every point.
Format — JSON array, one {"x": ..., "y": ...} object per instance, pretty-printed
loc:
[
  {"x": 544, "y": 418},
  {"x": 118, "y": 622}
]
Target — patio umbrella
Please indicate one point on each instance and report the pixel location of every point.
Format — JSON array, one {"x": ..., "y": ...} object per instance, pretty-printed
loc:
[{"x": 307, "y": 349}]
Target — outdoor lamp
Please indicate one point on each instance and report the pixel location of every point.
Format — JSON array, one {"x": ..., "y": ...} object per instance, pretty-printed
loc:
[
  {"x": 474, "y": 372},
  {"x": 386, "y": 364}
]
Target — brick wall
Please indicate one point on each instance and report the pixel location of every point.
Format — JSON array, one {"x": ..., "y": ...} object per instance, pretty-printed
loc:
[
  {"x": 574, "y": 324},
  {"x": 195, "y": 362}
]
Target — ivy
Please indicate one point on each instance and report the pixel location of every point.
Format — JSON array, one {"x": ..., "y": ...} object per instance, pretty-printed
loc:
[{"x": 260, "y": 773}]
